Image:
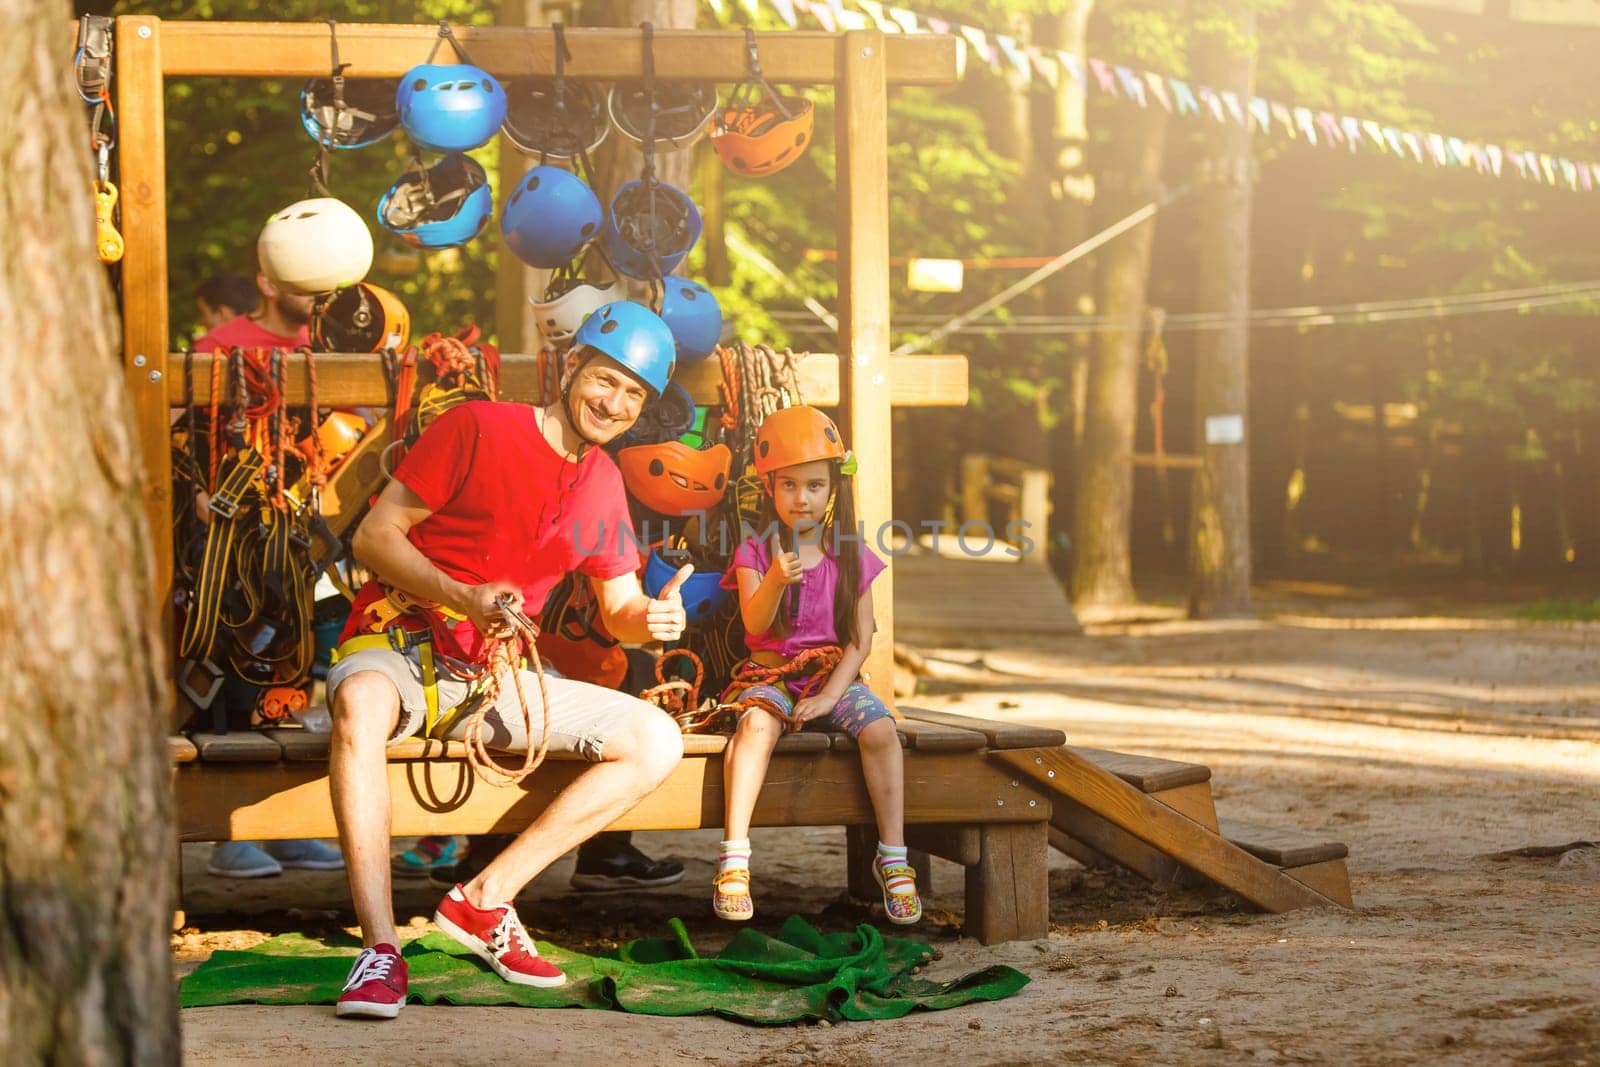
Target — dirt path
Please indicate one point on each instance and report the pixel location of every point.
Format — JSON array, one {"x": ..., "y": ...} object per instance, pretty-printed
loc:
[{"x": 1429, "y": 744}]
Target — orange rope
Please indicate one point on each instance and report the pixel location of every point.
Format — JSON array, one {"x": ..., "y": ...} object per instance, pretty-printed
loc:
[
  {"x": 219, "y": 360},
  {"x": 803, "y": 676},
  {"x": 507, "y": 656}
]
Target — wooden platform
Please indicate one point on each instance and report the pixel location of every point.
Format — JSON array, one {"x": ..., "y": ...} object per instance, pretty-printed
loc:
[
  {"x": 960, "y": 803},
  {"x": 944, "y": 600}
]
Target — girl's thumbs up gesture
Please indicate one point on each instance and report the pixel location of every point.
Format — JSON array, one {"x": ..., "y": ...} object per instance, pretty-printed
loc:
[{"x": 785, "y": 568}]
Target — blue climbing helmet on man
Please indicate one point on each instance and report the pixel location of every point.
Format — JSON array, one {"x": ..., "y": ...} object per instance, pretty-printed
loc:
[{"x": 636, "y": 338}]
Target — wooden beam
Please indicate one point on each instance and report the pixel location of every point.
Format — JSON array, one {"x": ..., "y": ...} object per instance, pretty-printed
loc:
[
  {"x": 300, "y": 50},
  {"x": 252, "y": 799},
  {"x": 142, "y": 155},
  {"x": 356, "y": 380},
  {"x": 1068, "y": 774},
  {"x": 862, "y": 176}
]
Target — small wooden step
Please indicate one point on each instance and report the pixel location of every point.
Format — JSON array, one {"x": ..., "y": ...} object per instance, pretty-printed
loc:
[
  {"x": 1005, "y": 735},
  {"x": 1282, "y": 848},
  {"x": 1147, "y": 774}
]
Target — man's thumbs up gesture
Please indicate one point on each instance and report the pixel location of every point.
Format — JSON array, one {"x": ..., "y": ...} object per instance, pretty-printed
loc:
[{"x": 664, "y": 616}]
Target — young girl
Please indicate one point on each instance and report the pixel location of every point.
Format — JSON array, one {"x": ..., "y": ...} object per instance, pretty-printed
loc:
[{"x": 795, "y": 601}]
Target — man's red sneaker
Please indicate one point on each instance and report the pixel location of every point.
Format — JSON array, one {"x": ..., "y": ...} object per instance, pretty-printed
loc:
[
  {"x": 497, "y": 936},
  {"x": 376, "y": 988}
]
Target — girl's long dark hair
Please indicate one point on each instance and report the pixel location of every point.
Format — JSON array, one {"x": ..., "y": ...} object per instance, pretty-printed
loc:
[{"x": 841, "y": 540}]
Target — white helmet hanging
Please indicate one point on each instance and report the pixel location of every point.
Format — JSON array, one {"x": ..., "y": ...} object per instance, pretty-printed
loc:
[{"x": 315, "y": 246}]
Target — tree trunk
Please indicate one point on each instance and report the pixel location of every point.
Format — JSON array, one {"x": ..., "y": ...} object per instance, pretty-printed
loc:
[
  {"x": 1219, "y": 517},
  {"x": 1102, "y": 568},
  {"x": 86, "y": 827},
  {"x": 1071, "y": 192}
]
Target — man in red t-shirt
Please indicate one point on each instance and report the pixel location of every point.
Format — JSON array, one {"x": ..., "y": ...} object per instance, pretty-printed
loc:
[
  {"x": 500, "y": 499},
  {"x": 282, "y": 320}
]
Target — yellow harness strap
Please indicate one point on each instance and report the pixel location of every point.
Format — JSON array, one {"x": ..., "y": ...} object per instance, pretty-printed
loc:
[{"x": 398, "y": 639}]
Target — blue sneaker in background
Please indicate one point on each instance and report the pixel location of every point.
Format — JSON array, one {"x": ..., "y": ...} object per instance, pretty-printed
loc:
[
  {"x": 242, "y": 859},
  {"x": 306, "y": 854}
]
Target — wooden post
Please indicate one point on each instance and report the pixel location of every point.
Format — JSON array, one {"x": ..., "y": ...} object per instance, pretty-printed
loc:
[
  {"x": 142, "y": 156},
  {"x": 514, "y": 281},
  {"x": 863, "y": 182},
  {"x": 1035, "y": 507},
  {"x": 974, "y": 487},
  {"x": 1008, "y": 889}
]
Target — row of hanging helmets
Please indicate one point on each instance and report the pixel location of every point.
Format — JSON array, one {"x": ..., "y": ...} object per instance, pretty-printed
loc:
[{"x": 552, "y": 218}]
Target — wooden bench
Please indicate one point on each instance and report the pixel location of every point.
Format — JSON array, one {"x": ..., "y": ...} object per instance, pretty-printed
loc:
[{"x": 960, "y": 804}]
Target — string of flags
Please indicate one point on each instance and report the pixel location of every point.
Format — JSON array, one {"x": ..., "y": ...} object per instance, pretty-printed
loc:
[{"x": 1005, "y": 54}]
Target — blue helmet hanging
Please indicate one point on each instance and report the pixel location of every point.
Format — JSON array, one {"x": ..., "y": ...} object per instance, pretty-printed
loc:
[
  {"x": 450, "y": 107},
  {"x": 702, "y": 593},
  {"x": 652, "y": 226},
  {"x": 449, "y": 208},
  {"x": 550, "y": 217},
  {"x": 635, "y": 337},
  {"x": 693, "y": 316}
]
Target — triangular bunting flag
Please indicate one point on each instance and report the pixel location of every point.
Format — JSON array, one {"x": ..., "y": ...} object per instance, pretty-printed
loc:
[
  {"x": 961, "y": 57},
  {"x": 753, "y": 7},
  {"x": 716, "y": 7},
  {"x": 1583, "y": 177},
  {"x": 1213, "y": 103},
  {"x": 1131, "y": 85},
  {"x": 1569, "y": 172},
  {"x": 1158, "y": 88},
  {"x": 1495, "y": 156},
  {"x": 1103, "y": 76},
  {"x": 1183, "y": 96},
  {"x": 1009, "y": 46},
  {"x": 980, "y": 42},
  {"x": 879, "y": 18},
  {"x": 906, "y": 19},
  {"x": 1306, "y": 122},
  {"x": 851, "y": 20},
  {"x": 938, "y": 25},
  {"x": 1073, "y": 63},
  {"x": 1456, "y": 150},
  {"x": 1281, "y": 113},
  {"x": 1352, "y": 131},
  {"x": 1045, "y": 67},
  {"x": 1375, "y": 134},
  {"x": 1261, "y": 111},
  {"x": 823, "y": 14},
  {"x": 1330, "y": 128},
  {"x": 1436, "y": 150},
  {"x": 1548, "y": 162},
  {"x": 1230, "y": 100},
  {"x": 1476, "y": 157},
  {"x": 1414, "y": 143},
  {"x": 1596, "y": 168},
  {"x": 1392, "y": 135},
  {"x": 785, "y": 10}
]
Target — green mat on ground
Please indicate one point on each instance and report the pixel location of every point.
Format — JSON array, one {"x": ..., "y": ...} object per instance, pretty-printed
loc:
[{"x": 799, "y": 974}]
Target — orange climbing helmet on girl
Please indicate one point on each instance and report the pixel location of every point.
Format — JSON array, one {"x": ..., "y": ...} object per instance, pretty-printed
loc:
[{"x": 799, "y": 434}]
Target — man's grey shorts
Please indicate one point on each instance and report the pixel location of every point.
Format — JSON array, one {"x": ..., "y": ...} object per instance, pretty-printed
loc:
[{"x": 582, "y": 715}]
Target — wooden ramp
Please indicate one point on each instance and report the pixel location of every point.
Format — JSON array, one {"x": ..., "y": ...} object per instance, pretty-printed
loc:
[
  {"x": 1157, "y": 817},
  {"x": 942, "y": 600}
]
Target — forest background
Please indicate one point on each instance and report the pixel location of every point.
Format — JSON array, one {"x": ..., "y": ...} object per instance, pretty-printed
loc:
[{"x": 1467, "y": 441}]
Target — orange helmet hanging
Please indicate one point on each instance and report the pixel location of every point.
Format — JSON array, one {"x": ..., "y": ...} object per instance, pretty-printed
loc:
[
  {"x": 794, "y": 435},
  {"x": 764, "y": 137},
  {"x": 673, "y": 479}
]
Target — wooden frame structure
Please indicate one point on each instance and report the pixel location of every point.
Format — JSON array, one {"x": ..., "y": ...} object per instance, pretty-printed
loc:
[{"x": 860, "y": 64}]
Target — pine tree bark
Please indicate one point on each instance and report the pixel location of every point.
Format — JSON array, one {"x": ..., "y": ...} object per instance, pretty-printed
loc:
[
  {"x": 1102, "y": 564},
  {"x": 86, "y": 822},
  {"x": 1219, "y": 516}
]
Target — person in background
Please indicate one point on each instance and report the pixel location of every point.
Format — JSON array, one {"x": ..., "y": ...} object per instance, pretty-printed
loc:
[{"x": 225, "y": 296}]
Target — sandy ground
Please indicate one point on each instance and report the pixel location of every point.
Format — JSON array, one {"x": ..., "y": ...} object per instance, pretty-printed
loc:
[{"x": 1432, "y": 736}]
